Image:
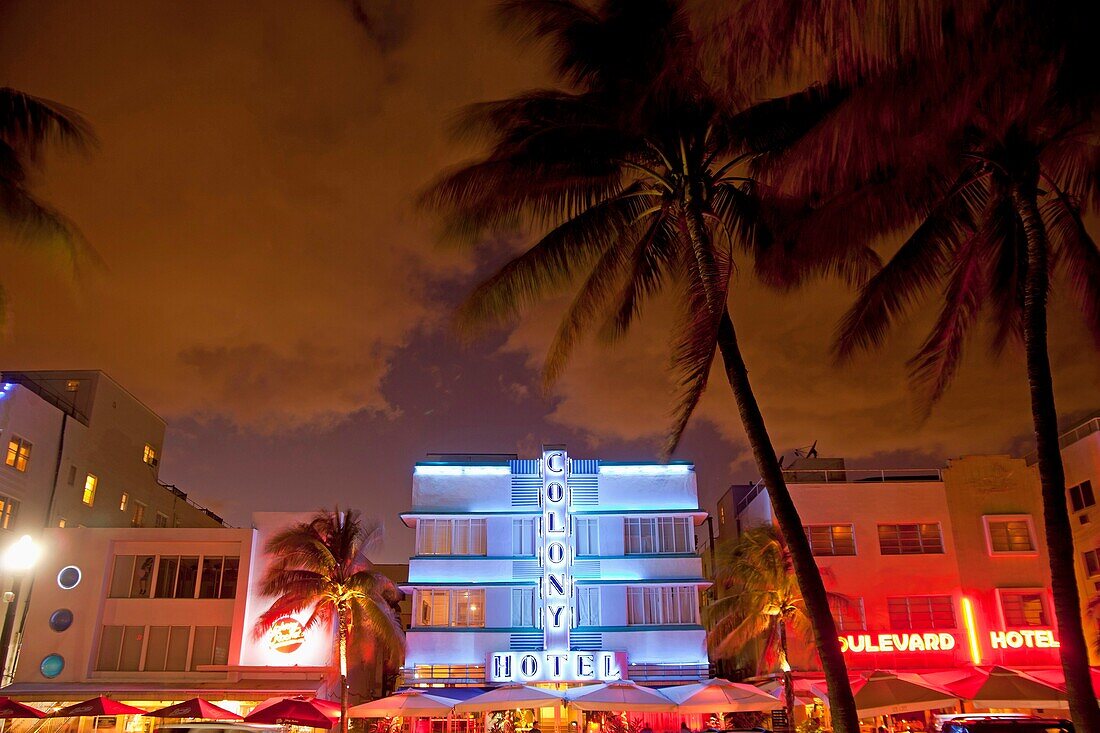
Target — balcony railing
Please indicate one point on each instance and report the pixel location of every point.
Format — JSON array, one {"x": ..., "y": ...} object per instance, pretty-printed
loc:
[{"x": 1070, "y": 437}]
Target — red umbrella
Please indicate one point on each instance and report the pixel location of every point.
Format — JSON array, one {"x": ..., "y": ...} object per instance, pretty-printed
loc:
[
  {"x": 11, "y": 709},
  {"x": 290, "y": 711},
  {"x": 329, "y": 707},
  {"x": 96, "y": 706},
  {"x": 196, "y": 707}
]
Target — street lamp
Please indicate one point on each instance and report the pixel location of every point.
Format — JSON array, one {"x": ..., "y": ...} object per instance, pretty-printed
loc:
[{"x": 18, "y": 559}]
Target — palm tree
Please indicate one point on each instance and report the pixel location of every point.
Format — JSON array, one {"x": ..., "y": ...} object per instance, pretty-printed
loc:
[
  {"x": 322, "y": 566},
  {"x": 763, "y": 605},
  {"x": 27, "y": 125},
  {"x": 991, "y": 154},
  {"x": 633, "y": 174}
]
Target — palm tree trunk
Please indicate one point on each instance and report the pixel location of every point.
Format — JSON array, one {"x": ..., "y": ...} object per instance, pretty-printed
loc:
[
  {"x": 1063, "y": 579},
  {"x": 342, "y": 621},
  {"x": 841, "y": 702},
  {"x": 785, "y": 667}
]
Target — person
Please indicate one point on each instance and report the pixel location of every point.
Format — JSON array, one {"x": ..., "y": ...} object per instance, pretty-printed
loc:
[
  {"x": 684, "y": 727},
  {"x": 535, "y": 728},
  {"x": 646, "y": 729}
]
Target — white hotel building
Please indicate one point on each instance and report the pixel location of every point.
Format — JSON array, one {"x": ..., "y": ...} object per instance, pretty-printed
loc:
[{"x": 554, "y": 570}]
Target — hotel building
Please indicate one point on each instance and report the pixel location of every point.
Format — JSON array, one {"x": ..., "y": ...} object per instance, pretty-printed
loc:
[
  {"x": 939, "y": 568},
  {"x": 554, "y": 569}
]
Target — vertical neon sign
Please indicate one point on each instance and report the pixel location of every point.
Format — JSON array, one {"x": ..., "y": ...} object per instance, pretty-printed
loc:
[{"x": 557, "y": 561}]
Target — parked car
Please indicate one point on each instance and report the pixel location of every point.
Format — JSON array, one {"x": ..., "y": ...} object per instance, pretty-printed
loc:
[{"x": 1000, "y": 724}]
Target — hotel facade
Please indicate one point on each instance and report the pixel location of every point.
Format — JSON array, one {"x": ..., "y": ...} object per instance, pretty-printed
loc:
[
  {"x": 554, "y": 569},
  {"x": 937, "y": 569}
]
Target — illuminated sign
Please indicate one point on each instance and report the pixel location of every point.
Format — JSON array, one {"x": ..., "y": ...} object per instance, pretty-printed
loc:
[
  {"x": 555, "y": 666},
  {"x": 1021, "y": 638},
  {"x": 557, "y": 598},
  {"x": 905, "y": 642},
  {"x": 286, "y": 635}
]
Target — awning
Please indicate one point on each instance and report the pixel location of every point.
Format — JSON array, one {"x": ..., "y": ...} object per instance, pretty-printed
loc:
[{"x": 241, "y": 690}]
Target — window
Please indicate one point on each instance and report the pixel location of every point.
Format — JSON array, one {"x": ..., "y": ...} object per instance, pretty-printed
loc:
[
  {"x": 662, "y": 605},
  {"x": 1009, "y": 534},
  {"x": 451, "y": 608},
  {"x": 150, "y": 455},
  {"x": 646, "y": 535},
  {"x": 587, "y": 533},
  {"x": 848, "y": 613},
  {"x": 210, "y": 646},
  {"x": 1080, "y": 496},
  {"x": 219, "y": 577},
  {"x": 1092, "y": 562},
  {"x": 138, "y": 520},
  {"x": 1023, "y": 608},
  {"x": 523, "y": 537},
  {"x": 61, "y": 523},
  {"x": 588, "y": 606},
  {"x": 523, "y": 607},
  {"x": 450, "y": 537},
  {"x": 125, "y": 500},
  {"x": 89, "y": 489},
  {"x": 910, "y": 539},
  {"x": 166, "y": 648},
  {"x": 921, "y": 613},
  {"x": 831, "y": 539},
  {"x": 176, "y": 577},
  {"x": 161, "y": 520},
  {"x": 9, "y": 510},
  {"x": 19, "y": 452}
]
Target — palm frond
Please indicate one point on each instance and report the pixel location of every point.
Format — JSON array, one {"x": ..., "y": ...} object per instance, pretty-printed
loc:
[
  {"x": 27, "y": 123},
  {"x": 653, "y": 264},
  {"x": 1076, "y": 257}
]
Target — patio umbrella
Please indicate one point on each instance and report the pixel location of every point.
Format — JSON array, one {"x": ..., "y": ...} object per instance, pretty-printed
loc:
[
  {"x": 196, "y": 707},
  {"x": 1055, "y": 676},
  {"x": 803, "y": 695},
  {"x": 11, "y": 709},
  {"x": 1001, "y": 687},
  {"x": 96, "y": 706},
  {"x": 407, "y": 703},
  {"x": 885, "y": 693},
  {"x": 509, "y": 697},
  {"x": 290, "y": 711},
  {"x": 719, "y": 696},
  {"x": 619, "y": 696}
]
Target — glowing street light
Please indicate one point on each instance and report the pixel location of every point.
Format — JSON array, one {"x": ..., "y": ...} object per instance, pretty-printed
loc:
[{"x": 18, "y": 559}]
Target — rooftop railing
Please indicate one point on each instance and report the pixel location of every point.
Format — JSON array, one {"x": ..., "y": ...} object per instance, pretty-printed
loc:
[
  {"x": 1070, "y": 437},
  {"x": 844, "y": 476}
]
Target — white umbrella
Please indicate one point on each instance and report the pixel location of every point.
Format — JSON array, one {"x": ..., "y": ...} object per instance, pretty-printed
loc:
[
  {"x": 719, "y": 696},
  {"x": 407, "y": 703},
  {"x": 508, "y": 697},
  {"x": 886, "y": 693},
  {"x": 618, "y": 697}
]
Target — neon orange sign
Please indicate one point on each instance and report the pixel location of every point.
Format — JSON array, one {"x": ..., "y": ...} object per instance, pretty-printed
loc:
[
  {"x": 1021, "y": 638},
  {"x": 905, "y": 642},
  {"x": 286, "y": 635}
]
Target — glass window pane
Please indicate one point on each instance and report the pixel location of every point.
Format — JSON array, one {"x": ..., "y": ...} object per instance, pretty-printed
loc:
[
  {"x": 156, "y": 649},
  {"x": 178, "y": 642},
  {"x": 166, "y": 577},
  {"x": 221, "y": 645},
  {"x": 188, "y": 575},
  {"x": 202, "y": 649},
  {"x": 110, "y": 642},
  {"x": 132, "y": 638},
  {"x": 121, "y": 576},
  {"x": 229, "y": 577},
  {"x": 211, "y": 577},
  {"x": 142, "y": 583}
]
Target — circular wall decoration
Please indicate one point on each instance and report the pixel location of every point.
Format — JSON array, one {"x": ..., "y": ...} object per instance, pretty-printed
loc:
[
  {"x": 69, "y": 577},
  {"x": 51, "y": 666},
  {"x": 61, "y": 619}
]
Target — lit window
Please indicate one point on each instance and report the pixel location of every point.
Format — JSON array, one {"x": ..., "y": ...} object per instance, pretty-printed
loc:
[
  {"x": 450, "y": 537},
  {"x": 89, "y": 489},
  {"x": 588, "y": 606},
  {"x": 831, "y": 539},
  {"x": 9, "y": 509},
  {"x": 124, "y": 502},
  {"x": 1009, "y": 534},
  {"x": 523, "y": 537},
  {"x": 653, "y": 535},
  {"x": 150, "y": 455},
  {"x": 523, "y": 607},
  {"x": 847, "y": 613},
  {"x": 1023, "y": 608},
  {"x": 587, "y": 535},
  {"x": 464, "y": 608},
  {"x": 1080, "y": 495},
  {"x": 921, "y": 613},
  {"x": 161, "y": 520},
  {"x": 138, "y": 518},
  {"x": 61, "y": 523},
  {"x": 910, "y": 539},
  {"x": 19, "y": 452},
  {"x": 662, "y": 605}
]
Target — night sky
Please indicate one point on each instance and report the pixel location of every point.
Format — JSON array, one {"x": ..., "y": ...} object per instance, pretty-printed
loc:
[{"x": 270, "y": 289}]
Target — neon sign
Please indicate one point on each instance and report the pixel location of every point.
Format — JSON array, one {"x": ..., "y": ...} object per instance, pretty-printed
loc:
[
  {"x": 286, "y": 635},
  {"x": 905, "y": 642},
  {"x": 1021, "y": 638},
  {"x": 557, "y": 598}
]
